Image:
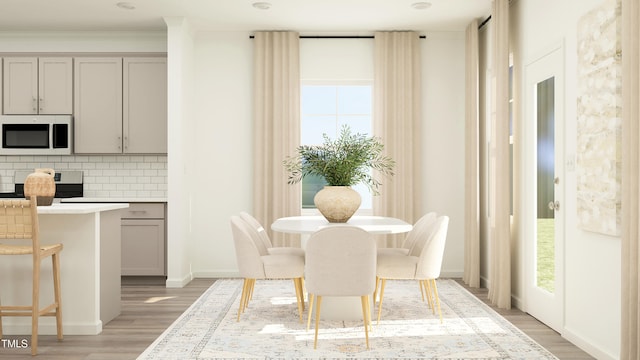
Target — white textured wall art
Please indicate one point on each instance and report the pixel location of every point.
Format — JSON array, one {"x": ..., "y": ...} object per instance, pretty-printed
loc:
[{"x": 599, "y": 123}]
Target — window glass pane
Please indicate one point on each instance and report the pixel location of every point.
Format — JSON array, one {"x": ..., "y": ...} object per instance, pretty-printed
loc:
[
  {"x": 357, "y": 124},
  {"x": 365, "y": 194},
  {"x": 318, "y": 100},
  {"x": 312, "y": 128},
  {"x": 310, "y": 187},
  {"x": 354, "y": 99},
  {"x": 325, "y": 109}
]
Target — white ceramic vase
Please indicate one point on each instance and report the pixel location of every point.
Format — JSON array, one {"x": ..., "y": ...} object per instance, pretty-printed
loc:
[{"x": 337, "y": 203}]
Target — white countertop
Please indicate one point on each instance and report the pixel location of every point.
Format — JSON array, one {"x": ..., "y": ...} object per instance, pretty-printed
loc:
[
  {"x": 84, "y": 208},
  {"x": 113, "y": 200}
]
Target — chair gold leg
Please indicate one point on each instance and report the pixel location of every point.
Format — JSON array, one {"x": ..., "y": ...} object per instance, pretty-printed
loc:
[
  {"x": 310, "y": 311},
  {"x": 299, "y": 297},
  {"x": 301, "y": 281},
  {"x": 365, "y": 317},
  {"x": 251, "y": 287},
  {"x": 315, "y": 338},
  {"x": 435, "y": 291},
  {"x": 375, "y": 290},
  {"x": 56, "y": 291},
  {"x": 421, "y": 289},
  {"x": 382, "y": 284},
  {"x": 369, "y": 322},
  {"x": 245, "y": 286},
  {"x": 427, "y": 287}
]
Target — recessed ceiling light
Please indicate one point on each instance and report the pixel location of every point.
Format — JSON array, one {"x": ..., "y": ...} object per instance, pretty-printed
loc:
[
  {"x": 421, "y": 5},
  {"x": 126, "y": 5},
  {"x": 261, "y": 5}
]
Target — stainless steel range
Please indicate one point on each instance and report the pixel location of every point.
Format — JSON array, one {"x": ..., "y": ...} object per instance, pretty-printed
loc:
[{"x": 69, "y": 183}]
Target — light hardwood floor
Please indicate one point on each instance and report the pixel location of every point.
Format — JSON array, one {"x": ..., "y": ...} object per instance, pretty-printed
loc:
[{"x": 147, "y": 310}]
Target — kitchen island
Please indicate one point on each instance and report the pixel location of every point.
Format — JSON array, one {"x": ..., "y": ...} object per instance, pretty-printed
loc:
[{"x": 89, "y": 265}]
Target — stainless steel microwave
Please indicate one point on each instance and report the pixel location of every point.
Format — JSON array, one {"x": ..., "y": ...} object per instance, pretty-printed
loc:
[{"x": 36, "y": 134}]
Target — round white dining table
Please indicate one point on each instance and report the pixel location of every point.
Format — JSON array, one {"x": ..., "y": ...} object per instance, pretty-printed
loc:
[
  {"x": 311, "y": 224},
  {"x": 346, "y": 307}
]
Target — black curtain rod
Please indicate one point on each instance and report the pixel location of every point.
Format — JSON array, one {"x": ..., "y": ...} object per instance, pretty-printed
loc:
[
  {"x": 337, "y": 37},
  {"x": 484, "y": 22}
]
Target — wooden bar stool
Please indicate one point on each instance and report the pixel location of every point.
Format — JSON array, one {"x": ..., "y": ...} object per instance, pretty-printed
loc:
[{"x": 19, "y": 221}]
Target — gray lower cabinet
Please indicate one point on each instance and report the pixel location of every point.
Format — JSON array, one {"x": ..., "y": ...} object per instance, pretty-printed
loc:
[{"x": 143, "y": 240}]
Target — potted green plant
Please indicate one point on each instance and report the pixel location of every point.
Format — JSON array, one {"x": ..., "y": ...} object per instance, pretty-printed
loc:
[{"x": 346, "y": 161}]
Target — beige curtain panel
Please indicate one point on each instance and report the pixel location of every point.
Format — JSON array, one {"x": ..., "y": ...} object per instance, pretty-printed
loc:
[
  {"x": 471, "y": 275},
  {"x": 276, "y": 131},
  {"x": 630, "y": 323},
  {"x": 500, "y": 197},
  {"x": 397, "y": 120}
]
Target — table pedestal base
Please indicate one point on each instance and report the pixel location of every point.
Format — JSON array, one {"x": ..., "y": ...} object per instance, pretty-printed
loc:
[{"x": 341, "y": 308}]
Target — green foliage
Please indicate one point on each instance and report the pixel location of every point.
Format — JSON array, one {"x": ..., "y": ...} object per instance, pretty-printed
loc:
[{"x": 346, "y": 161}]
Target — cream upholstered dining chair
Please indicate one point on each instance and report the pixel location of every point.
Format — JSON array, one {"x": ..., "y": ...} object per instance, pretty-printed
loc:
[
  {"x": 412, "y": 236},
  {"x": 255, "y": 263},
  {"x": 416, "y": 235},
  {"x": 423, "y": 263},
  {"x": 340, "y": 261},
  {"x": 265, "y": 240},
  {"x": 19, "y": 221}
]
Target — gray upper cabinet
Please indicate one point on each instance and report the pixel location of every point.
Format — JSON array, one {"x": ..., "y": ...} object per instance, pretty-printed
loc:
[
  {"x": 145, "y": 105},
  {"x": 98, "y": 105},
  {"x": 120, "y": 105},
  {"x": 38, "y": 85}
]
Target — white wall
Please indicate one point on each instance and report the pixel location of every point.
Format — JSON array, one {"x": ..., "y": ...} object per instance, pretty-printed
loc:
[
  {"x": 592, "y": 261},
  {"x": 336, "y": 59},
  {"x": 223, "y": 148},
  {"x": 180, "y": 125},
  {"x": 443, "y": 111}
]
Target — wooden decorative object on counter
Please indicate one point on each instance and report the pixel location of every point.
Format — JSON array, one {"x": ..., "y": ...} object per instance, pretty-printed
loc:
[{"x": 42, "y": 184}]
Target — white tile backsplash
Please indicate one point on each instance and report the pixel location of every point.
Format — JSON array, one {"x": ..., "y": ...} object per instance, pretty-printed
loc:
[{"x": 107, "y": 176}]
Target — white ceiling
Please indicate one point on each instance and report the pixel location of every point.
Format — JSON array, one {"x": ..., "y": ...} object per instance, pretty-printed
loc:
[{"x": 305, "y": 16}]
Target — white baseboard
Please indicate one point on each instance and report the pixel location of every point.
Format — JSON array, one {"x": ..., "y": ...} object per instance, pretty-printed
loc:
[
  {"x": 179, "y": 283},
  {"x": 587, "y": 345}
]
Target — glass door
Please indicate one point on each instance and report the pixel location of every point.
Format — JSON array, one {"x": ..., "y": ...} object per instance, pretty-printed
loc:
[{"x": 544, "y": 188}]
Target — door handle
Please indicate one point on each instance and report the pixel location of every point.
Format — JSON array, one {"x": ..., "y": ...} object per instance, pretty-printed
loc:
[{"x": 554, "y": 205}]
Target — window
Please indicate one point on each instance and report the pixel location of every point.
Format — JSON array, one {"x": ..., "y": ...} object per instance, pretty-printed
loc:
[{"x": 324, "y": 109}]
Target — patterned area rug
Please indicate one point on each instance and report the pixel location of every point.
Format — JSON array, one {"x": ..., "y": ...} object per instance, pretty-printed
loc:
[{"x": 270, "y": 328}]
